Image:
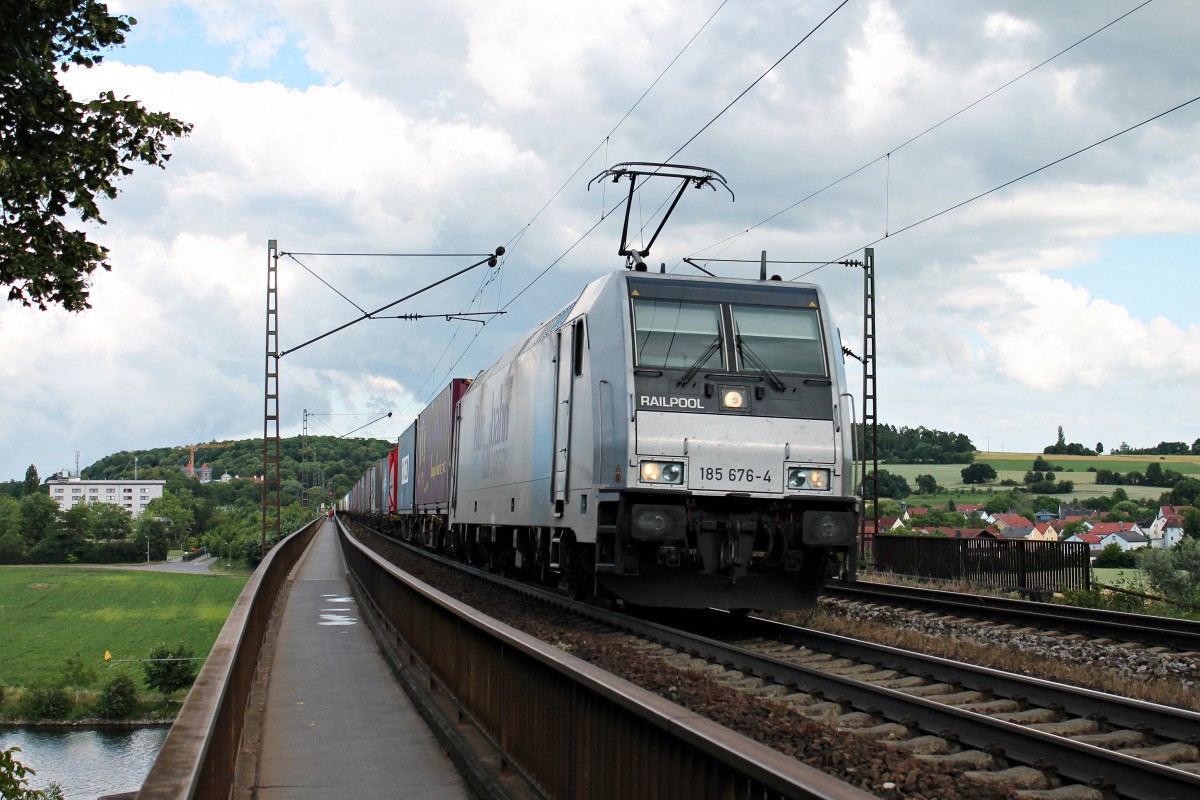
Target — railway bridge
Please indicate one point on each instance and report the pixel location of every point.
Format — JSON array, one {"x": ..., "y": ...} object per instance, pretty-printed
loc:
[{"x": 338, "y": 675}]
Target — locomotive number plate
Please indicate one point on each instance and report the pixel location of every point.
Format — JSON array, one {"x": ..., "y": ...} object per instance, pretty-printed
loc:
[{"x": 746, "y": 479}]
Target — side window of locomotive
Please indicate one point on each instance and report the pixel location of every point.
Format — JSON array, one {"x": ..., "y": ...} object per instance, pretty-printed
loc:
[
  {"x": 579, "y": 340},
  {"x": 785, "y": 339},
  {"x": 673, "y": 333}
]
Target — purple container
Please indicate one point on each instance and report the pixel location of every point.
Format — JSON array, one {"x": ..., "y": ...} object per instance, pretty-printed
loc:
[{"x": 435, "y": 439}]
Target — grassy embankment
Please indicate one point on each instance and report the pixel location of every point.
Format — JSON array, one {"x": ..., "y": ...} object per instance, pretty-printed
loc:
[
  {"x": 1015, "y": 465},
  {"x": 51, "y": 614}
]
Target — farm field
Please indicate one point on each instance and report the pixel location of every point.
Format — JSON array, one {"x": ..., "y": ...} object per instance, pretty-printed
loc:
[
  {"x": 1013, "y": 466},
  {"x": 52, "y": 613}
]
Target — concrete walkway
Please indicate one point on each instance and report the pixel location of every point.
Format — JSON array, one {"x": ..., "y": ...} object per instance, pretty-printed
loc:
[{"x": 336, "y": 723}]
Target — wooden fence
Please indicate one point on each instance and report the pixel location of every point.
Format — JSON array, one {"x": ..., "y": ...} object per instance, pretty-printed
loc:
[{"x": 1011, "y": 564}]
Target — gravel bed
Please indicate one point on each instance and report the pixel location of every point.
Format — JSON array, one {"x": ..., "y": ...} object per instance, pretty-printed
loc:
[
  {"x": 1116, "y": 658},
  {"x": 887, "y": 772}
]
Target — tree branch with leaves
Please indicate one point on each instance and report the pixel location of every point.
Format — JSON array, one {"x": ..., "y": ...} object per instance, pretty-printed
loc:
[{"x": 58, "y": 156}]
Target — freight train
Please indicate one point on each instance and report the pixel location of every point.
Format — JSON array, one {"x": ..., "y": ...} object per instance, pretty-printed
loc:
[{"x": 667, "y": 440}]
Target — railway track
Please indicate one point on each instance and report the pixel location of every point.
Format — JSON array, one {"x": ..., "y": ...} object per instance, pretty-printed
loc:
[
  {"x": 1051, "y": 740},
  {"x": 1175, "y": 634},
  {"x": 1003, "y": 727}
]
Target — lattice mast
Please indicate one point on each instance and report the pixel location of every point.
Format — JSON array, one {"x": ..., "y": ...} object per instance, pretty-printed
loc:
[{"x": 271, "y": 484}]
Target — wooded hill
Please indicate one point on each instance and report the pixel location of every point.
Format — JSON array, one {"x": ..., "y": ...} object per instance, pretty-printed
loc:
[{"x": 331, "y": 461}]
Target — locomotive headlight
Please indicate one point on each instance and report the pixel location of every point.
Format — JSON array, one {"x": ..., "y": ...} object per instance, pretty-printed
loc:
[
  {"x": 735, "y": 399},
  {"x": 662, "y": 472},
  {"x": 805, "y": 478}
]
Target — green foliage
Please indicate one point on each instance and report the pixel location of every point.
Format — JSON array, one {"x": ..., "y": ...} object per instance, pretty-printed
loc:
[
  {"x": 38, "y": 515},
  {"x": 978, "y": 473},
  {"x": 170, "y": 670},
  {"x": 32, "y": 482},
  {"x": 890, "y": 485},
  {"x": 41, "y": 702},
  {"x": 1184, "y": 493},
  {"x": 1174, "y": 573},
  {"x": 14, "y": 780},
  {"x": 1191, "y": 522},
  {"x": 1073, "y": 527},
  {"x": 331, "y": 461},
  {"x": 60, "y": 156},
  {"x": 1112, "y": 556},
  {"x": 1061, "y": 447},
  {"x": 77, "y": 673},
  {"x": 118, "y": 698},
  {"x": 920, "y": 445},
  {"x": 927, "y": 484}
]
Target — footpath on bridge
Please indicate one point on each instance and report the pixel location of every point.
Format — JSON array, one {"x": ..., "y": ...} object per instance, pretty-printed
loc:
[{"x": 336, "y": 723}]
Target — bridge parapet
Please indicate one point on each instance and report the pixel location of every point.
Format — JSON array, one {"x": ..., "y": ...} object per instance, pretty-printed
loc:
[{"x": 199, "y": 757}]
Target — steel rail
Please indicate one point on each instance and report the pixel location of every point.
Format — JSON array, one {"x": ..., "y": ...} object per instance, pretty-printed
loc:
[
  {"x": 1133, "y": 777},
  {"x": 1083, "y": 763},
  {"x": 570, "y": 728},
  {"x": 1177, "y": 634}
]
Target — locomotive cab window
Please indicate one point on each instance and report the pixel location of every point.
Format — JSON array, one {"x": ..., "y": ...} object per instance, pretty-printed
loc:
[
  {"x": 784, "y": 339},
  {"x": 673, "y": 333}
]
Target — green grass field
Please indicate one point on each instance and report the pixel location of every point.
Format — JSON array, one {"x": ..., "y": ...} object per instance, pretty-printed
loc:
[
  {"x": 1125, "y": 578},
  {"x": 1014, "y": 466},
  {"x": 51, "y": 613}
]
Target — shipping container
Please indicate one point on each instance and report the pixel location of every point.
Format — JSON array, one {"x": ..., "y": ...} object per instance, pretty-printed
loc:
[
  {"x": 434, "y": 449},
  {"x": 406, "y": 459}
]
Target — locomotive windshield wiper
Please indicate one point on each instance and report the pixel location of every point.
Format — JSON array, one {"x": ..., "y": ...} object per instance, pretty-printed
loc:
[
  {"x": 699, "y": 362},
  {"x": 749, "y": 355}
]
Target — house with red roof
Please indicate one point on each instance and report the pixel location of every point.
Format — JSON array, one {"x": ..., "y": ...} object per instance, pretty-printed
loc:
[
  {"x": 1044, "y": 532},
  {"x": 1092, "y": 540},
  {"x": 965, "y": 533},
  {"x": 1002, "y": 521}
]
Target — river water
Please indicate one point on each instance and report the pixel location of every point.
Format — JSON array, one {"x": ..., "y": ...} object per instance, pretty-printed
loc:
[{"x": 86, "y": 763}]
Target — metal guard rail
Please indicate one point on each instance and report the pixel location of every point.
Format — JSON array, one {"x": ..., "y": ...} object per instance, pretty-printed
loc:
[
  {"x": 199, "y": 757},
  {"x": 572, "y": 729}
]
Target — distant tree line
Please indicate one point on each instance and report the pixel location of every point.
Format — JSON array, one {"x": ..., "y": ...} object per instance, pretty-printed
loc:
[
  {"x": 225, "y": 518},
  {"x": 919, "y": 445},
  {"x": 1160, "y": 449}
]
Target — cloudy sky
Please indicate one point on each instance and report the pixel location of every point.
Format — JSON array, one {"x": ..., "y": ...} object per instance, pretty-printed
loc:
[{"x": 393, "y": 126}]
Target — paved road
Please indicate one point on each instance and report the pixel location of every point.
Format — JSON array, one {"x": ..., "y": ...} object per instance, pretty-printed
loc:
[{"x": 198, "y": 565}]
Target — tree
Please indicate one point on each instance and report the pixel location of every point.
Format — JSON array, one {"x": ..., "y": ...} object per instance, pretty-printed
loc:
[
  {"x": 1040, "y": 464},
  {"x": 1191, "y": 522},
  {"x": 38, "y": 515},
  {"x": 172, "y": 511},
  {"x": 58, "y": 154},
  {"x": 118, "y": 699},
  {"x": 31, "y": 482},
  {"x": 1073, "y": 527},
  {"x": 1184, "y": 493},
  {"x": 1112, "y": 556},
  {"x": 110, "y": 523},
  {"x": 12, "y": 545},
  {"x": 1099, "y": 448},
  {"x": 1174, "y": 573},
  {"x": 890, "y": 485},
  {"x": 927, "y": 484},
  {"x": 978, "y": 473},
  {"x": 170, "y": 670}
]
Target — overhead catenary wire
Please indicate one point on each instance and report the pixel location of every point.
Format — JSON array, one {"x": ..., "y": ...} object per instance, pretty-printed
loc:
[
  {"x": 519, "y": 235},
  {"x": 1007, "y": 183},
  {"x": 733, "y": 237}
]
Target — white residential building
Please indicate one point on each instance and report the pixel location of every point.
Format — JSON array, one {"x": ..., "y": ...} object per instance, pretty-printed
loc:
[{"x": 129, "y": 495}]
